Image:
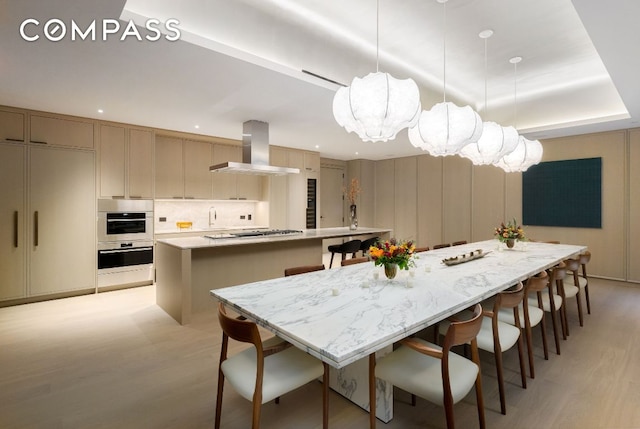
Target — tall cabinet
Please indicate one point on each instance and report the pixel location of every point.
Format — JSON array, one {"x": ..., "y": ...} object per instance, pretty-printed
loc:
[{"x": 47, "y": 241}]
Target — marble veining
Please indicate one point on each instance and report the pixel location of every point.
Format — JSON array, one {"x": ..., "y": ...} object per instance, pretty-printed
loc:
[{"x": 368, "y": 314}]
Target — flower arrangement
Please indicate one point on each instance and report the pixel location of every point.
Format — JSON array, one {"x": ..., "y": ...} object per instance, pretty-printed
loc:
[
  {"x": 511, "y": 231},
  {"x": 353, "y": 191},
  {"x": 393, "y": 251}
]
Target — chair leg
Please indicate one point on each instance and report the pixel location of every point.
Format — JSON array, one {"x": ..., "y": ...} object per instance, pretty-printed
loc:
[
  {"x": 414, "y": 400},
  {"x": 331, "y": 262},
  {"x": 529, "y": 338},
  {"x": 563, "y": 321},
  {"x": 257, "y": 408},
  {"x": 475, "y": 357},
  {"x": 325, "y": 396},
  {"x": 503, "y": 405},
  {"x": 219, "y": 399},
  {"x": 523, "y": 371},
  {"x": 586, "y": 295},
  {"x": 579, "y": 300},
  {"x": 372, "y": 390},
  {"x": 545, "y": 347},
  {"x": 554, "y": 322}
]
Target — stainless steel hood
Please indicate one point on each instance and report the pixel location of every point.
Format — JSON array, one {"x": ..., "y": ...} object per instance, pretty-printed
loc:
[{"x": 255, "y": 154}]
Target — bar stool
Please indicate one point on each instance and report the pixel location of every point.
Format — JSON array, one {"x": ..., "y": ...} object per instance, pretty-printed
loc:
[
  {"x": 366, "y": 244},
  {"x": 344, "y": 249}
]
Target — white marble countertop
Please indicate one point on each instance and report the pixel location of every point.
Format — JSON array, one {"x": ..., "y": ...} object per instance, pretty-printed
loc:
[
  {"x": 342, "y": 315},
  {"x": 320, "y": 233}
]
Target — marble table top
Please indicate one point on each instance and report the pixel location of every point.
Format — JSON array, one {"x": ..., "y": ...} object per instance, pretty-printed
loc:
[
  {"x": 307, "y": 234},
  {"x": 342, "y": 315}
]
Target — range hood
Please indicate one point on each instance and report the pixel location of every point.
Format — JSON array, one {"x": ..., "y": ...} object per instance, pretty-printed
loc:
[{"x": 255, "y": 154}]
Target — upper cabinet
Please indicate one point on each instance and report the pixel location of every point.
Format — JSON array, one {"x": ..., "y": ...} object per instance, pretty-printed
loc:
[
  {"x": 233, "y": 186},
  {"x": 11, "y": 127},
  {"x": 312, "y": 162},
  {"x": 169, "y": 168},
  {"x": 140, "y": 166},
  {"x": 61, "y": 132},
  {"x": 126, "y": 162},
  {"x": 197, "y": 178}
]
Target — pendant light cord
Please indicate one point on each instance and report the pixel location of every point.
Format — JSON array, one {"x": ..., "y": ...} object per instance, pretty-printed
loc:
[
  {"x": 444, "y": 51},
  {"x": 377, "y": 36},
  {"x": 515, "y": 95}
]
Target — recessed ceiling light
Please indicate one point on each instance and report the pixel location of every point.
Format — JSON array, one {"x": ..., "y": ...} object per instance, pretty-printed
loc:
[
  {"x": 100, "y": 111},
  {"x": 317, "y": 146},
  {"x": 197, "y": 126},
  {"x": 357, "y": 153}
]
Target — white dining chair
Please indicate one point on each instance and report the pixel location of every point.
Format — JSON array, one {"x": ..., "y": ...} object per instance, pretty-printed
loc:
[
  {"x": 265, "y": 371},
  {"x": 437, "y": 374}
]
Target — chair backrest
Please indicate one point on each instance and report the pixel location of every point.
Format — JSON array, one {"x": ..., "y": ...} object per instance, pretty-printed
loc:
[
  {"x": 572, "y": 264},
  {"x": 585, "y": 258},
  {"x": 464, "y": 331},
  {"x": 238, "y": 329},
  {"x": 350, "y": 246},
  {"x": 302, "y": 269},
  {"x": 421, "y": 249},
  {"x": 441, "y": 246},
  {"x": 537, "y": 283},
  {"x": 366, "y": 244},
  {"x": 353, "y": 261},
  {"x": 458, "y": 243},
  {"x": 557, "y": 273},
  {"x": 510, "y": 298}
]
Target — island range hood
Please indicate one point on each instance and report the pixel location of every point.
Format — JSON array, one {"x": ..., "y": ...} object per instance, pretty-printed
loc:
[{"x": 255, "y": 154}]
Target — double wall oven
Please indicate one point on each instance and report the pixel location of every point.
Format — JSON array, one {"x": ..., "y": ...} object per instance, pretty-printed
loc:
[{"x": 125, "y": 242}]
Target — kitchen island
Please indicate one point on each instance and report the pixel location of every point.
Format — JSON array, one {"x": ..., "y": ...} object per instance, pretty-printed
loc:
[{"x": 188, "y": 268}]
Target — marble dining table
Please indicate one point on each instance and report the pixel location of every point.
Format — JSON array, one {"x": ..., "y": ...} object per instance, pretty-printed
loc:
[{"x": 350, "y": 315}]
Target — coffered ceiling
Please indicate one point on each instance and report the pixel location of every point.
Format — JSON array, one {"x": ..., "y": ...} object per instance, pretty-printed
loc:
[{"x": 238, "y": 60}]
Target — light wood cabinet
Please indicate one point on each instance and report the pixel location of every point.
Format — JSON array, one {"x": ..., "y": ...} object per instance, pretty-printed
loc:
[
  {"x": 405, "y": 204},
  {"x": 169, "y": 177},
  {"x": 312, "y": 162},
  {"x": 112, "y": 161},
  {"x": 197, "y": 177},
  {"x": 126, "y": 163},
  {"x": 61, "y": 132},
  {"x": 11, "y": 126},
  {"x": 13, "y": 243},
  {"x": 62, "y": 220},
  {"x": 278, "y": 190},
  {"x": 140, "y": 166},
  {"x": 385, "y": 194},
  {"x": 232, "y": 186},
  {"x": 297, "y": 192}
]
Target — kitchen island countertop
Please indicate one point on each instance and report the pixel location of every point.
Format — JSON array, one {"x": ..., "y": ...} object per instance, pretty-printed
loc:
[{"x": 320, "y": 233}]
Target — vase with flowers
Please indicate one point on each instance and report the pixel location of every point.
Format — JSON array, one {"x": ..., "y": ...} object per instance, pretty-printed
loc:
[
  {"x": 510, "y": 233},
  {"x": 352, "y": 194},
  {"x": 393, "y": 255}
]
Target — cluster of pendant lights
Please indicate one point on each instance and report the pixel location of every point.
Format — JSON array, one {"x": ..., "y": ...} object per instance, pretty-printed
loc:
[{"x": 378, "y": 106}]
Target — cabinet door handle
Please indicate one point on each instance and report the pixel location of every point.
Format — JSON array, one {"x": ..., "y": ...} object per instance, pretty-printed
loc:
[
  {"x": 38, "y": 142},
  {"x": 15, "y": 229},
  {"x": 14, "y": 140},
  {"x": 35, "y": 228}
]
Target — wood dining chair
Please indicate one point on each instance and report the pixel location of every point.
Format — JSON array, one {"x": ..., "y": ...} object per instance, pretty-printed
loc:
[
  {"x": 302, "y": 269},
  {"x": 265, "y": 371},
  {"x": 354, "y": 261},
  {"x": 437, "y": 374},
  {"x": 441, "y": 246},
  {"x": 571, "y": 286},
  {"x": 552, "y": 302},
  {"x": 531, "y": 315},
  {"x": 496, "y": 336},
  {"x": 344, "y": 249}
]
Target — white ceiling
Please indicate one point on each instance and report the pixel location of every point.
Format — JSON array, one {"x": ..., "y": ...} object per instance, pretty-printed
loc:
[{"x": 243, "y": 59}]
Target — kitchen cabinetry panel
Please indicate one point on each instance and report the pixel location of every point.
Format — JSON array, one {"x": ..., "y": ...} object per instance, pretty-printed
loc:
[
  {"x": 62, "y": 220},
  {"x": 169, "y": 168},
  {"x": 11, "y": 126},
  {"x": 197, "y": 178},
  {"x": 140, "y": 166},
  {"x": 312, "y": 162},
  {"x": 13, "y": 243},
  {"x": 61, "y": 132},
  {"x": 112, "y": 161},
  {"x": 231, "y": 186}
]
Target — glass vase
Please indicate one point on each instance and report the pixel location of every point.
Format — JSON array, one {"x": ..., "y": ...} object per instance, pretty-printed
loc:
[
  {"x": 390, "y": 270},
  {"x": 353, "y": 217},
  {"x": 510, "y": 243}
]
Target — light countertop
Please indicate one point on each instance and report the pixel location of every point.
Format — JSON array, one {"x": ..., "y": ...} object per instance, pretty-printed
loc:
[{"x": 308, "y": 234}]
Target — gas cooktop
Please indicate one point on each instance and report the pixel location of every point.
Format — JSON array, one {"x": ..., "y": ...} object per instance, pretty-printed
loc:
[{"x": 259, "y": 233}]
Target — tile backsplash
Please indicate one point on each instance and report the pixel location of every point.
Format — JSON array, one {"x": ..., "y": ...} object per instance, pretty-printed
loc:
[{"x": 209, "y": 214}]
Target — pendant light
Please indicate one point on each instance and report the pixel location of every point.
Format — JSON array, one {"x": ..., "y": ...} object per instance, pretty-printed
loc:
[
  {"x": 496, "y": 140},
  {"x": 377, "y": 106},
  {"x": 446, "y": 128},
  {"x": 527, "y": 152}
]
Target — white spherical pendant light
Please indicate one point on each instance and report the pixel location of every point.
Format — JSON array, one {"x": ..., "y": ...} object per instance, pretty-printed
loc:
[
  {"x": 377, "y": 106},
  {"x": 495, "y": 142}
]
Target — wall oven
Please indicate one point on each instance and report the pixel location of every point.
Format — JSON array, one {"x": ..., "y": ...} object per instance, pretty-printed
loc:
[{"x": 125, "y": 243}]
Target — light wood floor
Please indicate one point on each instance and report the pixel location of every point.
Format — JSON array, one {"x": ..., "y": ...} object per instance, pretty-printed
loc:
[{"x": 115, "y": 360}]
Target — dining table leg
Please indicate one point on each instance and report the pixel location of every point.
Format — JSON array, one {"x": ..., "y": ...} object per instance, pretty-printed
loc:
[{"x": 372, "y": 390}]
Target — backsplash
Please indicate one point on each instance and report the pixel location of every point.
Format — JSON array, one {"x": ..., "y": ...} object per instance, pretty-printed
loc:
[{"x": 209, "y": 214}]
